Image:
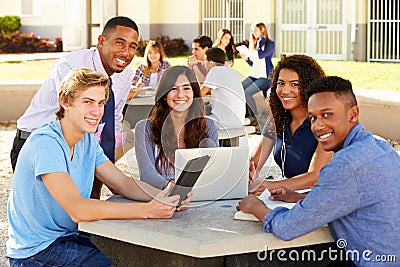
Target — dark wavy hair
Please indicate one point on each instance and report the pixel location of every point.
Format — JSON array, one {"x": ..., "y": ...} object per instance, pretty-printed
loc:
[
  {"x": 162, "y": 127},
  {"x": 308, "y": 70},
  {"x": 230, "y": 47},
  {"x": 203, "y": 41}
]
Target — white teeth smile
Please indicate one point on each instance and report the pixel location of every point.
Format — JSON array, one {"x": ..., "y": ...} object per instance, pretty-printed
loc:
[
  {"x": 91, "y": 121},
  {"x": 180, "y": 102},
  {"x": 325, "y": 136},
  {"x": 287, "y": 98},
  {"x": 120, "y": 61}
]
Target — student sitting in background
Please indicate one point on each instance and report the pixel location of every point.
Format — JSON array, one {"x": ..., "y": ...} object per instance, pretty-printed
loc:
[
  {"x": 228, "y": 103},
  {"x": 150, "y": 71},
  {"x": 357, "y": 193},
  {"x": 259, "y": 57},
  {"x": 226, "y": 43},
  {"x": 177, "y": 120},
  {"x": 195, "y": 62}
]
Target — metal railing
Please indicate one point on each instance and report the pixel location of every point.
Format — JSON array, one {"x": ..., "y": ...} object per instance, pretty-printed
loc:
[
  {"x": 384, "y": 31},
  {"x": 218, "y": 14}
]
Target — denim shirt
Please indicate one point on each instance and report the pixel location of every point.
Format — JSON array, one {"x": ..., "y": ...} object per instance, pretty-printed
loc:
[{"x": 357, "y": 195}]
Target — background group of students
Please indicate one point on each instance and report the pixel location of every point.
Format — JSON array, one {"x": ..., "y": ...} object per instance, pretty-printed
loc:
[{"x": 258, "y": 56}]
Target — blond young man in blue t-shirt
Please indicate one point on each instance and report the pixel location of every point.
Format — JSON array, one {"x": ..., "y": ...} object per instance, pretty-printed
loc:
[{"x": 54, "y": 176}]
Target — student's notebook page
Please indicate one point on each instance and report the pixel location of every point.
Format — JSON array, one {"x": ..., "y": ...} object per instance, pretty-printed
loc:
[
  {"x": 240, "y": 215},
  {"x": 243, "y": 50}
]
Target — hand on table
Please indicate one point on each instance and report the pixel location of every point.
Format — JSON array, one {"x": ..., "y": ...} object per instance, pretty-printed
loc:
[
  {"x": 259, "y": 185},
  {"x": 251, "y": 204},
  {"x": 163, "y": 206},
  {"x": 286, "y": 194},
  {"x": 185, "y": 203}
]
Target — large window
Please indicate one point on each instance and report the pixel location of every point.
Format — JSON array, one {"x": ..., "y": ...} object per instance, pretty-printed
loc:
[
  {"x": 384, "y": 30},
  {"x": 218, "y": 14},
  {"x": 314, "y": 27}
]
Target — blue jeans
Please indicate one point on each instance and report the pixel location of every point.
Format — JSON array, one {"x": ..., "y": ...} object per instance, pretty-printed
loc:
[
  {"x": 75, "y": 250},
  {"x": 252, "y": 86}
]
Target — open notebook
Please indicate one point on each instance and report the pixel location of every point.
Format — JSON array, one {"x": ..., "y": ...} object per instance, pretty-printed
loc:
[{"x": 240, "y": 215}]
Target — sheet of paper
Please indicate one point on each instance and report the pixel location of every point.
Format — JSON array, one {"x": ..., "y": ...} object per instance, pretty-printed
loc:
[
  {"x": 243, "y": 50},
  {"x": 240, "y": 215}
]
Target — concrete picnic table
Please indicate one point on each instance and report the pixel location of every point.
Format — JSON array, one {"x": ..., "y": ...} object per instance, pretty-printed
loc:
[{"x": 204, "y": 235}]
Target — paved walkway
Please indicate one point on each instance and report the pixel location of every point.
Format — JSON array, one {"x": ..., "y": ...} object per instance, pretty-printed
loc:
[{"x": 30, "y": 56}]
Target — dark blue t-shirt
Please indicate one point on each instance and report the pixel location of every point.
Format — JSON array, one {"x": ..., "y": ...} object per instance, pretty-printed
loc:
[{"x": 298, "y": 151}]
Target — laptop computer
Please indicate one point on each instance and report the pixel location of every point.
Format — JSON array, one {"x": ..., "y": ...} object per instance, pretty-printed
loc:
[{"x": 225, "y": 176}]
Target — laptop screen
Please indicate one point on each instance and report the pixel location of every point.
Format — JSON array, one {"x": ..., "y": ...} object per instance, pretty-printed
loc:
[{"x": 224, "y": 177}]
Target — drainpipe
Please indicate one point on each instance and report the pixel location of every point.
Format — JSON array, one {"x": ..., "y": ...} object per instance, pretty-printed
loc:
[{"x": 353, "y": 28}]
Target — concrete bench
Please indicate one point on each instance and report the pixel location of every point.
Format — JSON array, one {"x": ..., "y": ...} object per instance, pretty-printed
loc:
[
  {"x": 15, "y": 97},
  {"x": 379, "y": 110}
]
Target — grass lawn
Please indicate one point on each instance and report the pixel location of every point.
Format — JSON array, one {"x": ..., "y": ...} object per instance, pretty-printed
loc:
[{"x": 379, "y": 76}]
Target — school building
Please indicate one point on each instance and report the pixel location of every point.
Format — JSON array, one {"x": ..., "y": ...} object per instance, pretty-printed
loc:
[{"x": 361, "y": 30}]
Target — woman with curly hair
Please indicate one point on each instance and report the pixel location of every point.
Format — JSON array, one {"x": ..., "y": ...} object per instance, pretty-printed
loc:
[
  {"x": 177, "y": 120},
  {"x": 288, "y": 131}
]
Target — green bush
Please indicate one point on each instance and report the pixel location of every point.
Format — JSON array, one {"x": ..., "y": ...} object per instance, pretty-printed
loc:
[
  {"x": 9, "y": 24},
  {"x": 11, "y": 41},
  {"x": 172, "y": 47}
]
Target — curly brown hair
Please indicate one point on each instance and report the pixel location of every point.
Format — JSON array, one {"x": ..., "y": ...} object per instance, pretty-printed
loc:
[
  {"x": 162, "y": 127},
  {"x": 308, "y": 70}
]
